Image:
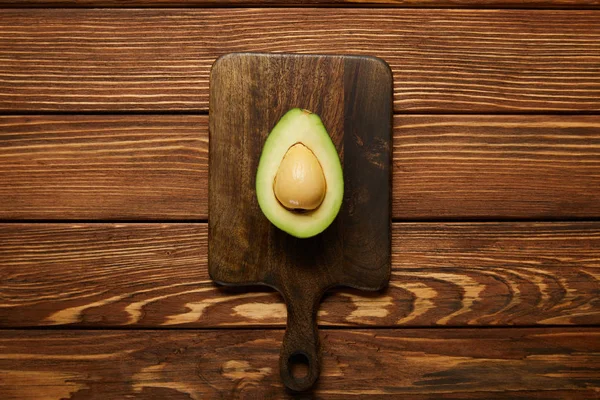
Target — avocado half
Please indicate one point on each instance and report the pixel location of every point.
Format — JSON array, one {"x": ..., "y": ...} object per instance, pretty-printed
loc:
[{"x": 299, "y": 126}]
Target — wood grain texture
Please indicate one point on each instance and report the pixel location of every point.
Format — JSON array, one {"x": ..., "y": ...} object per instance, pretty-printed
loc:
[
  {"x": 156, "y": 275},
  {"x": 443, "y": 60},
  {"x": 353, "y": 98},
  {"x": 537, "y": 4},
  {"x": 103, "y": 167},
  {"x": 501, "y": 167},
  {"x": 449, "y": 363},
  {"x": 452, "y": 167}
]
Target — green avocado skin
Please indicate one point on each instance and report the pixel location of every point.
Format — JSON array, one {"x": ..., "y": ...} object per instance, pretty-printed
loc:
[{"x": 300, "y": 126}]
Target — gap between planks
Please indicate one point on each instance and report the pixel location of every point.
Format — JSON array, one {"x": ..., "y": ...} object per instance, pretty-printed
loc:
[
  {"x": 322, "y": 328},
  {"x": 564, "y": 5}
]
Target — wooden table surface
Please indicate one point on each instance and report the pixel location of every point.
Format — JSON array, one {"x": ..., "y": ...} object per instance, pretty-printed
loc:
[{"x": 495, "y": 288}]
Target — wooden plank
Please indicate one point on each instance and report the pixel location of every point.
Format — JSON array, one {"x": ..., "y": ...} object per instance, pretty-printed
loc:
[
  {"x": 159, "y": 59},
  {"x": 151, "y": 275},
  {"x": 537, "y": 4},
  {"x": 498, "y": 167},
  {"x": 425, "y": 363},
  {"x": 453, "y": 167},
  {"x": 107, "y": 167}
]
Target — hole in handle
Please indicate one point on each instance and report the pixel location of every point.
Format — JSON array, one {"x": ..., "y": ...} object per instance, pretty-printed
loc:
[
  {"x": 298, "y": 366},
  {"x": 299, "y": 363}
]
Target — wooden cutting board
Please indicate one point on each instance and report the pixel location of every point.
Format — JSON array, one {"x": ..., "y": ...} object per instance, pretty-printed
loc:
[{"x": 249, "y": 93}]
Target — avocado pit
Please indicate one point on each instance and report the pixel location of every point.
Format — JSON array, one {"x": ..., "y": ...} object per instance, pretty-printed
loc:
[{"x": 299, "y": 184}]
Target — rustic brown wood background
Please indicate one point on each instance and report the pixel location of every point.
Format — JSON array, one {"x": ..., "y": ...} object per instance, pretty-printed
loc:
[{"x": 495, "y": 287}]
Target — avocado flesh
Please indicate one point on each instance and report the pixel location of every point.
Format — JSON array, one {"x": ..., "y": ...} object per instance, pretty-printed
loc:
[{"x": 300, "y": 126}]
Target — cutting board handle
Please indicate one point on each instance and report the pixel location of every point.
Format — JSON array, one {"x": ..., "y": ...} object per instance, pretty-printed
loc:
[{"x": 300, "y": 344}]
